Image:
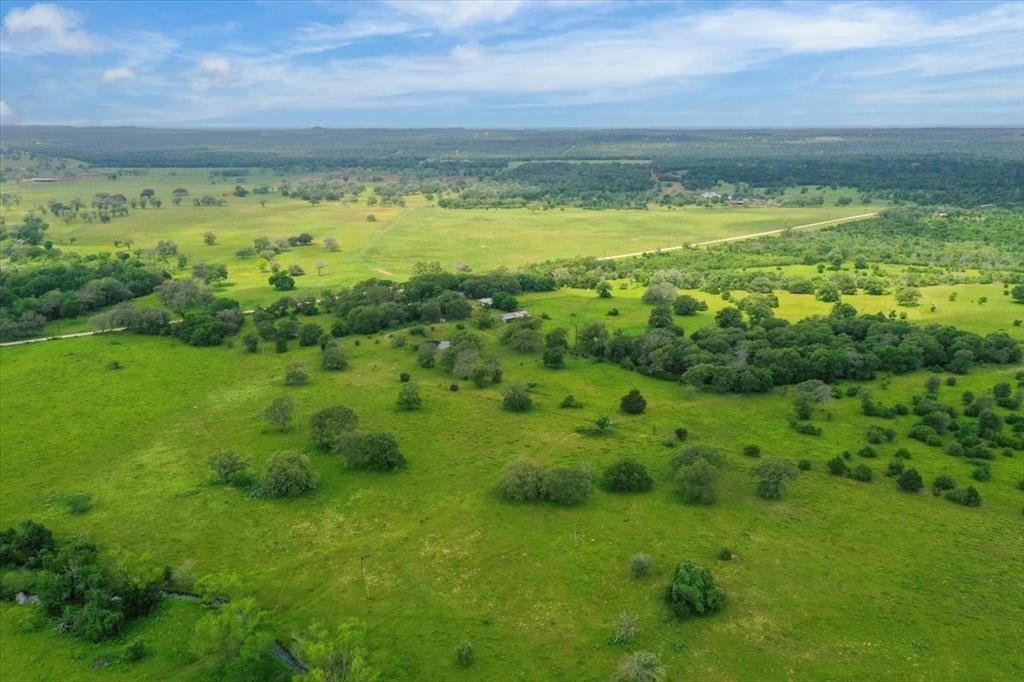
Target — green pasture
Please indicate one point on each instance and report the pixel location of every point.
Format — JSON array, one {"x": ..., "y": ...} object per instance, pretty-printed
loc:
[
  {"x": 839, "y": 580},
  {"x": 568, "y": 307},
  {"x": 390, "y": 246}
]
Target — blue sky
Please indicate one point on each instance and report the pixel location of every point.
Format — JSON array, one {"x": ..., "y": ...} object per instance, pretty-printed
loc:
[{"x": 512, "y": 63}]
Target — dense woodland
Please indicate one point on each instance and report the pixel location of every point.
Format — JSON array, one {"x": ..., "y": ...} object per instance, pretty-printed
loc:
[{"x": 500, "y": 169}]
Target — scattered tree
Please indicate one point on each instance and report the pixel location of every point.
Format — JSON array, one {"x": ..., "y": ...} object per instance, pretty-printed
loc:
[
  {"x": 693, "y": 592},
  {"x": 627, "y": 476},
  {"x": 280, "y": 413},
  {"x": 288, "y": 474},
  {"x": 771, "y": 475},
  {"x": 295, "y": 374},
  {"x": 633, "y": 402},
  {"x": 330, "y": 424},
  {"x": 910, "y": 481},
  {"x": 516, "y": 398},
  {"x": 226, "y": 465},
  {"x": 409, "y": 398}
]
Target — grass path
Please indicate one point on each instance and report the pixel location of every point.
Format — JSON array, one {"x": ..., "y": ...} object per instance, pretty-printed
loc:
[{"x": 834, "y": 221}]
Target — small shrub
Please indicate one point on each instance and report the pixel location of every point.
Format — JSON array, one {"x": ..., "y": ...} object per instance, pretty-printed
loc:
[
  {"x": 696, "y": 482},
  {"x": 280, "y": 413},
  {"x": 804, "y": 465},
  {"x": 868, "y": 452},
  {"x": 626, "y": 629},
  {"x": 464, "y": 654},
  {"x": 404, "y": 377},
  {"x": 627, "y": 476},
  {"x": 895, "y": 468},
  {"x": 878, "y": 434},
  {"x": 454, "y": 388},
  {"x": 633, "y": 403},
  {"x": 333, "y": 358},
  {"x": 409, "y": 398},
  {"x": 805, "y": 428},
  {"x": 570, "y": 402},
  {"x": 725, "y": 554},
  {"x": 861, "y": 472},
  {"x": 982, "y": 473},
  {"x": 288, "y": 474},
  {"x": 772, "y": 475},
  {"x": 310, "y": 334},
  {"x": 523, "y": 482},
  {"x": 78, "y": 503},
  {"x": 226, "y": 465},
  {"x": 752, "y": 451},
  {"x": 681, "y": 434},
  {"x": 902, "y": 453},
  {"x": 517, "y": 398},
  {"x": 910, "y": 481},
  {"x": 526, "y": 481},
  {"x": 371, "y": 451},
  {"x": 639, "y": 666},
  {"x": 968, "y": 497},
  {"x": 695, "y": 453},
  {"x": 295, "y": 374},
  {"x": 693, "y": 592},
  {"x": 942, "y": 483},
  {"x": 566, "y": 485},
  {"x": 640, "y": 565},
  {"x": 134, "y": 651},
  {"x": 837, "y": 466}
]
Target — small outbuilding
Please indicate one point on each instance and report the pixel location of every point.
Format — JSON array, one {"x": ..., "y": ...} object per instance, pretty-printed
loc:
[
  {"x": 514, "y": 315},
  {"x": 485, "y": 302}
]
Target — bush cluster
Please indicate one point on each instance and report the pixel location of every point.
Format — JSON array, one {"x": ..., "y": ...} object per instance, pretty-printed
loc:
[{"x": 527, "y": 481}]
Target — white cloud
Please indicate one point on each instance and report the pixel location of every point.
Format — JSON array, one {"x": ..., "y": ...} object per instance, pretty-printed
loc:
[
  {"x": 7, "y": 113},
  {"x": 455, "y": 14},
  {"x": 970, "y": 56},
  {"x": 118, "y": 74},
  {"x": 44, "y": 28},
  {"x": 320, "y": 37},
  {"x": 214, "y": 67},
  {"x": 467, "y": 52},
  {"x": 1004, "y": 91}
]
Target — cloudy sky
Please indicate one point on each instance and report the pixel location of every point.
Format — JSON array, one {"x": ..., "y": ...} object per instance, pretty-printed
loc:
[{"x": 513, "y": 63}]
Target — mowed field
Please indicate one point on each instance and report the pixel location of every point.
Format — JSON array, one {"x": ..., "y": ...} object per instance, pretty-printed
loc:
[
  {"x": 839, "y": 580},
  {"x": 392, "y": 245}
]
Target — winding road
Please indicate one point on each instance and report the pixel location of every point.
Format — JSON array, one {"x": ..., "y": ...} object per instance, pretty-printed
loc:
[{"x": 753, "y": 235}]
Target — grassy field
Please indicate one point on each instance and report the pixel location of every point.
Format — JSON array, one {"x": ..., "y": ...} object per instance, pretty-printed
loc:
[
  {"x": 839, "y": 580},
  {"x": 574, "y": 306},
  {"x": 388, "y": 247}
]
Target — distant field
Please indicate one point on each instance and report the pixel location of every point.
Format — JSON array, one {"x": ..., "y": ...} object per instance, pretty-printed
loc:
[
  {"x": 392, "y": 245},
  {"x": 573, "y": 306},
  {"x": 839, "y": 580}
]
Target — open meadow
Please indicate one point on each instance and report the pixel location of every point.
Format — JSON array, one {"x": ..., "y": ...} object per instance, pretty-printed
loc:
[
  {"x": 840, "y": 579},
  {"x": 391, "y": 245}
]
